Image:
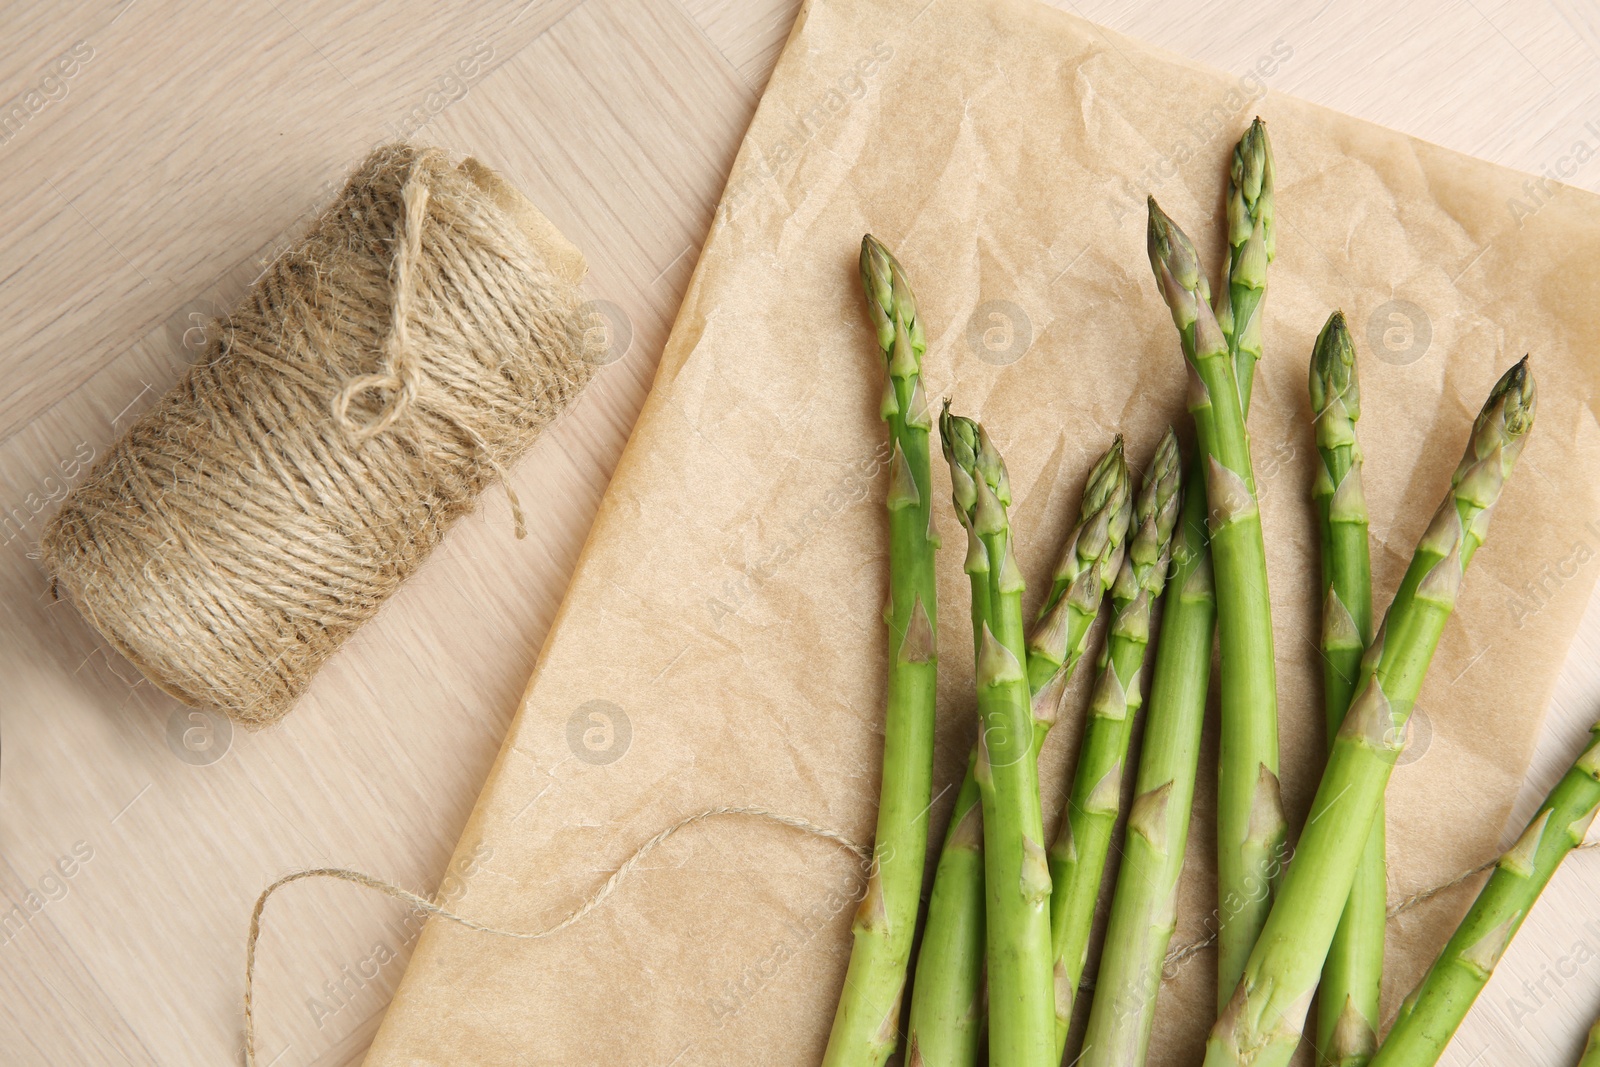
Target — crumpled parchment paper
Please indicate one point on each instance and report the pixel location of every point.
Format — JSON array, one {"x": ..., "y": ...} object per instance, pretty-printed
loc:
[{"x": 720, "y": 642}]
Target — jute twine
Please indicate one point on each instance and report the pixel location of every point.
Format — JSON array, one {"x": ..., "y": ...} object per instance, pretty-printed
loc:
[
  {"x": 374, "y": 382},
  {"x": 589, "y": 903},
  {"x": 1174, "y": 961}
]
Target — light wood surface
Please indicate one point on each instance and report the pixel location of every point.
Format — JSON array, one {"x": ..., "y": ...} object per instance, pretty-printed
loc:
[{"x": 142, "y": 192}]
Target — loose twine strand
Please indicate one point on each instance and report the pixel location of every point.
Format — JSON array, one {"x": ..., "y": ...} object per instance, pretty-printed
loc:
[
  {"x": 1171, "y": 965},
  {"x": 861, "y": 852}
]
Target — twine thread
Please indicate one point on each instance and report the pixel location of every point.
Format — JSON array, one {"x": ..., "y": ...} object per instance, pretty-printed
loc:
[
  {"x": 1171, "y": 964},
  {"x": 588, "y": 905}
]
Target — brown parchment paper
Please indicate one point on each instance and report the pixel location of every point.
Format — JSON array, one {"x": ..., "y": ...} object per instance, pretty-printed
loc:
[{"x": 720, "y": 642}]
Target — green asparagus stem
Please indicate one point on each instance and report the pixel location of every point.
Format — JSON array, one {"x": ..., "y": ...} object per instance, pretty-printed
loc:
[
  {"x": 866, "y": 1025},
  {"x": 1144, "y": 905},
  {"x": 1251, "y": 244},
  {"x": 1591, "y": 1049},
  {"x": 1078, "y": 855},
  {"x": 1250, "y": 823},
  {"x": 946, "y": 997},
  {"x": 1261, "y": 1025},
  {"x": 1016, "y": 875},
  {"x": 1432, "y": 1013},
  {"x": 1347, "y": 1007}
]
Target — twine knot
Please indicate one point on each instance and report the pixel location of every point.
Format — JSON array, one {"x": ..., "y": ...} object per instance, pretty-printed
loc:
[{"x": 400, "y": 377}]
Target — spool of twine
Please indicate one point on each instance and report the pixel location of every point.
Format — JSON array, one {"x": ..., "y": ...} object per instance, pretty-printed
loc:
[{"x": 372, "y": 384}]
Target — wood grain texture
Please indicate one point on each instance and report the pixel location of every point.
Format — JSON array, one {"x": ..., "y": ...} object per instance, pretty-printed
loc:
[{"x": 141, "y": 194}]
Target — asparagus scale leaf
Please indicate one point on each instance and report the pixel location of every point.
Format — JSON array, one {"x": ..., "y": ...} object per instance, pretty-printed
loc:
[
  {"x": 1435, "y": 1009},
  {"x": 866, "y": 1023},
  {"x": 1261, "y": 1024},
  {"x": 1347, "y": 1006}
]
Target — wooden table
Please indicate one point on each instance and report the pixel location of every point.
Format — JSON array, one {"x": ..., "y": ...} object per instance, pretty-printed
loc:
[{"x": 162, "y": 151}]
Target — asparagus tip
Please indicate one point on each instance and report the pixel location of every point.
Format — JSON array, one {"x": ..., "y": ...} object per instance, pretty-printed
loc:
[
  {"x": 992, "y": 466},
  {"x": 1250, "y": 200},
  {"x": 1176, "y": 264},
  {"x": 1107, "y": 479},
  {"x": 957, "y": 443},
  {"x": 1515, "y": 397},
  {"x": 1165, "y": 462},
  {"x": 977, "y": 472},
  {"x": 875, "y": 260},
  {"x": 1160, "y": 499},
  {"x": 1333, "y": 368},
  {"x": 892, "y": 307}
]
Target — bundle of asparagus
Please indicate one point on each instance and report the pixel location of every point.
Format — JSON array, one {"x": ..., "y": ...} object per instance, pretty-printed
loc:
[{"x": 1006, "y": 941}]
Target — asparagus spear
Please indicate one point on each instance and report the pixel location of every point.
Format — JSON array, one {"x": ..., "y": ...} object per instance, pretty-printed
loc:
[
  {"x": 946, "y": 997},
  {"x": 1078, "y": 856},
  {"x": 1431, "y": 1014},
  {"x": 1591, "y": 1049},
  {"x": 1144, "y": 905},
  {"x": 1016, "y": 876},
  {"x": 1347, "y": 1011},
  {"x": 1261, "y": 1024},
  {"x": 1251, "y": 245},
  {"x": 866, "y": 1024},
  {"x": 1250, "y": 823}
]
